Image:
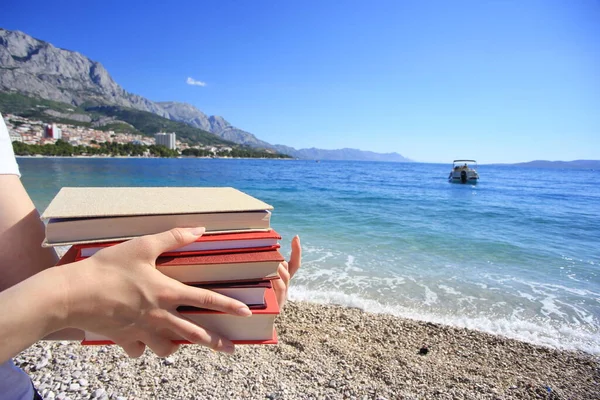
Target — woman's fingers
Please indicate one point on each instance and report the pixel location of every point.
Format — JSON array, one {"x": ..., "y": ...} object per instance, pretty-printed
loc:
[
  {"x": 161, "y": 345},
  {"x": 193, "y": 333},
  {"x": 134, "y": 349},
  {"x": 296, "y": 258},
  {"x": 149, "y": 247},
  {"x": 284, "y": 273},
  {"x": 280, "y": 285},
  {"x": 185, "y": 295}
]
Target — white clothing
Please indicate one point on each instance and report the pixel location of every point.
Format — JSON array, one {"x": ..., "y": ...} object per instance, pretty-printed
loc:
[
  {"x": 8, "y": 163},
  {"x": 14, "y": 383}
]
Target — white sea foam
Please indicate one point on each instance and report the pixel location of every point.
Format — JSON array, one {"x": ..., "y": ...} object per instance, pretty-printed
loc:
[
  {"x": 550, "y": 306},
  {"x": 540, "y": 332},
  {"x": 350, "y": 265},
  {"x": 527, "y": 296},
  {"x": 449, "y": 290},
  {"x": 550, "y": 313},
  {"x": 430, "y": 296}
]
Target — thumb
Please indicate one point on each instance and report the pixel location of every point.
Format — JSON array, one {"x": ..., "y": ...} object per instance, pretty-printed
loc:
[
  {"x": 154, "y": 245},
  {"x": 296, "y": 257}
]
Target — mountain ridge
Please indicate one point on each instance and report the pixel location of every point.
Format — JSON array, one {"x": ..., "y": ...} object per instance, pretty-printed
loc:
[
  {"x": 37, "y": 68},
  {"x": 74, "y": 78}
]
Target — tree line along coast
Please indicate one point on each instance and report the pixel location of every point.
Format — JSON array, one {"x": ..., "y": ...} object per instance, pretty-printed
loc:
[{"x": 36, "y": 138}]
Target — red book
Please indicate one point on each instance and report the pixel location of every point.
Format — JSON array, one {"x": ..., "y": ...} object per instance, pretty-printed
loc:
[
  {"x": 231, "y": 267},
  {"x": 234, "y": 267},
  {"x": 256, "y": 329},
  {"x": 250, "y": 293},
  {"x": 206, "y": 244}
]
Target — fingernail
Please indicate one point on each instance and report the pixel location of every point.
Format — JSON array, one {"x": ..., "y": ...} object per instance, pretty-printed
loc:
[
  {"x": 243, "y": 312},
  {"x": 197, "y": 231},
  {"x": 228, "y": 348}
]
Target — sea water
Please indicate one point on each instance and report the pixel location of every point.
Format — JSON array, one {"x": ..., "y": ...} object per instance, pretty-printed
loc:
[{"x": 518, "y": 254}]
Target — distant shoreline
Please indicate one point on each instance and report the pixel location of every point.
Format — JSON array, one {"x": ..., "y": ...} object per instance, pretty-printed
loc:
[
  {"x": 576, "y": 164},
  {"x": 157, "y": 158}
]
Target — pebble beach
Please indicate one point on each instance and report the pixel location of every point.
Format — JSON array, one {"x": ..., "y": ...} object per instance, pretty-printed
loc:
[{"x": 324, "y": 352}]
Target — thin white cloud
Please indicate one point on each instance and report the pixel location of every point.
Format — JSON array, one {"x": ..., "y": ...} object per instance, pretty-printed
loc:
[{"x": 193, "y": 82}]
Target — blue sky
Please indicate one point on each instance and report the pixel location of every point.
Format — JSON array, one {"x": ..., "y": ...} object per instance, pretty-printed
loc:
[{"x": 499, "y": 81}]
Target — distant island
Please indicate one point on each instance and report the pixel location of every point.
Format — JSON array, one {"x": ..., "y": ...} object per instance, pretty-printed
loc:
[{"x": 575, "y": 164}]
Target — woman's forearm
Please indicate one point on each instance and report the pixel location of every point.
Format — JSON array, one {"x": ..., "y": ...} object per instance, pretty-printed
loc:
[
  {"x": 21, "y": 235},
  {"x": 31, "y": 310}
]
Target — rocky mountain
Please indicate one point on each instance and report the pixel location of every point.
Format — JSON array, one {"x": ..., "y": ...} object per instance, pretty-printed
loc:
[
  {"x": 36, "y": 68},
  {"x": 190, "y": 115},
  {"x": 236, "y": 135},
  {"x": 187, "y": 113},
  {"x": 219, "y": 126}
]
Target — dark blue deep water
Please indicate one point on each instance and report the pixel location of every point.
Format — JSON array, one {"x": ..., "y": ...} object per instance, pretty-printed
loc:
[{"x": 517, "y": 255}]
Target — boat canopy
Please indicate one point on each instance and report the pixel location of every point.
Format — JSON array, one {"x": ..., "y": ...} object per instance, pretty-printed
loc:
[{"x": 464, "y": 161}]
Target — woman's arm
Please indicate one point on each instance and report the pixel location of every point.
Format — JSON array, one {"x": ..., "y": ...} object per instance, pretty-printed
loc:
[
  {"x": 117, "y": 293},
  {"x": 21, "y": 235},
  {"x": 29, "y": 311}
]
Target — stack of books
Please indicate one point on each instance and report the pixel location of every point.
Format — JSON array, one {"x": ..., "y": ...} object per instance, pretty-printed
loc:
[{"x": 238, "y": 256}]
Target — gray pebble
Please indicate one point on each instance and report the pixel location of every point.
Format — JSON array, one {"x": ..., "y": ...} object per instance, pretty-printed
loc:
[
  {"x": 169, "y": 361},
  {"x": 74, "y": 387},
  {"x": 374, "y": 358},
  {"x": 43, "y": 363}
]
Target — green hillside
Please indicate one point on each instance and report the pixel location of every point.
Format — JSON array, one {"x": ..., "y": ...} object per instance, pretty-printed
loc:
[
  {"x": 149, "y": 124},
  {"x": 118, "y": 119},
  {"x": 141, "y": 121},
  {"x": 35, "y": 108}
]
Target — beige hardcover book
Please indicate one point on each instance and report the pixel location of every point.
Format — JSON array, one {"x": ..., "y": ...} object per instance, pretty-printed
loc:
[{"x": 95, "y": 214}]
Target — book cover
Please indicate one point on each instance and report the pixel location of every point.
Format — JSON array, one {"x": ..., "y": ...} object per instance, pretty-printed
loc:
[
  {"x": 251, "y": 293},
  {"x": 221, "y": 267},
  {"x": 93, "y": 202},
  {"x": 208, "y": 269},
  {"x": 206, "y": 244},
  {"x": 104, "y": 214},
  {"x": 63, "y": 232}
]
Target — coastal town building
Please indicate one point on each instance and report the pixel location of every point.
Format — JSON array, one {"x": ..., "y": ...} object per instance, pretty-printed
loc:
[
  {"x": 52, "y": 131},
  {"x": 29, "y": 131},
  {"x": 166, "y": 139},
  {"x": 15, "y": 137}
]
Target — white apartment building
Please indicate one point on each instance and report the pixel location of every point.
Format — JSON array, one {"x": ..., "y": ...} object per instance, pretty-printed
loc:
[
  {"x": 15, "y": 137},
  {"x": 166, "y": 139},
  {"x": 53, "y": 132}
]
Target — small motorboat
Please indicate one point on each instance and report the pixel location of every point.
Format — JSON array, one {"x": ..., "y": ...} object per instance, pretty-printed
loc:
[{"x": 463, "y": 171}]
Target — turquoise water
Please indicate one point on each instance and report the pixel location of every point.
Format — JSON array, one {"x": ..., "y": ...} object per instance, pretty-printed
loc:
[{"x": 518, "y": 254}]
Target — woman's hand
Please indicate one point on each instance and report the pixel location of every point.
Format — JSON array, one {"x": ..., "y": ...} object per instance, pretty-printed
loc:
[
  {"x": 119, "y": 293},
  {"x": 286, "y": 271}
]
